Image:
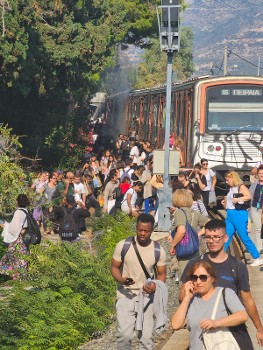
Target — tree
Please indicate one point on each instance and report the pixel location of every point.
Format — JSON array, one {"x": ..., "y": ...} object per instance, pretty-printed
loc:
[
  {"x": 152, "y": 71},
  {"x": 12, "y": 176},
  {"x": 52, "y": 54}
]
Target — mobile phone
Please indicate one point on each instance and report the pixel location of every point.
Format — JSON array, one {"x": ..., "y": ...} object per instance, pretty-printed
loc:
[{"x": 129, "y": 280}]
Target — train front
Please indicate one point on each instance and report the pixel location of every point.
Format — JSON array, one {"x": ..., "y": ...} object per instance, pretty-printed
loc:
[{"x": 229, "y": 116}]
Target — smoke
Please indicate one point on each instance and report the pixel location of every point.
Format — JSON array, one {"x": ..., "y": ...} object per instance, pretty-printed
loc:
[{"x": 118, "y": 81}]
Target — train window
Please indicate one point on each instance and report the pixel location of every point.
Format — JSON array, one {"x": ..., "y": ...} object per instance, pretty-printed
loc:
[{"x": 234, "y": 107}]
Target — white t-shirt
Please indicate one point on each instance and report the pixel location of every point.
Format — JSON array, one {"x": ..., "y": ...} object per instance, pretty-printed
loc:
[
  {"x": 79, "y": 190},
  {"x": 229, "y": 197},
  {"x": 134, "y": 154},
  {"x": 209, "y": 176},
  {"x": 133, "y": 198}
]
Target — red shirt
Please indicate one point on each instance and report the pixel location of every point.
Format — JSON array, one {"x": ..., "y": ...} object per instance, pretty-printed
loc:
[{"x": 124, "y": 187}]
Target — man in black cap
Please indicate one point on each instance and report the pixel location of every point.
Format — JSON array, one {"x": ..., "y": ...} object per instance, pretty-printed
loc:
[{"x": 71, "y": 219}]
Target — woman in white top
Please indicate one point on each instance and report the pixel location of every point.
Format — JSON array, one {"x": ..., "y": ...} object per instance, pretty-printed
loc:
[
  {"x": 129, "y": 201},
  {"x": 12, "y": 263},
  {"x": 237, "y": 219}
]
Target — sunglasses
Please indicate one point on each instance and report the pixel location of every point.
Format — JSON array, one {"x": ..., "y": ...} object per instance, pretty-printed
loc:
[
  {"x": 203, "y": 278},
  {"x": 204, "y": 163}
]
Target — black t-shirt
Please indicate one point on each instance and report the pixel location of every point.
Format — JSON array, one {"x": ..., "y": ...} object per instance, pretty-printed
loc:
[
  {"x": 134, "y": 177},
  {"x": 79, "y": 212},
  {"x": 195, "y": 182},
  {"x": 231, "y": 273}
]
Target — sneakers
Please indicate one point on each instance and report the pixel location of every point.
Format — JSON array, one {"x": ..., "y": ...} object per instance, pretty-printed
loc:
[{"x": 257, "y": 262}]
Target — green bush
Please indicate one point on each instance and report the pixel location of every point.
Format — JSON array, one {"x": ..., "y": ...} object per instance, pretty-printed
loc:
[
  {"x": 71, "y": 294},
  {"x": 114, "y": 229}
]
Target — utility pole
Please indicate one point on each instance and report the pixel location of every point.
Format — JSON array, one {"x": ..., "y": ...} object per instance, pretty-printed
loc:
[
  {"x": 170, "y": 42},
  {"x": 225, "y": 60},
  {"x": 258, "y": 66}
]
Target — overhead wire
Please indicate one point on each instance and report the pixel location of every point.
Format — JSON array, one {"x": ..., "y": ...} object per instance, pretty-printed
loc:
[
  {"x": 244, "y": 59},
  {"x": 220, "y": 68}
]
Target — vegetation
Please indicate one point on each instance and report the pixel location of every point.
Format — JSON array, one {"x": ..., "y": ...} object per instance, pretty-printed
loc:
[
  {"x": 152, "y": 71},
  {"x": 12, "y": 176},
  {"x": 68, "y": 294},
  {"x": 53, "y": 54},
  {"x": 71, "y": 296}
]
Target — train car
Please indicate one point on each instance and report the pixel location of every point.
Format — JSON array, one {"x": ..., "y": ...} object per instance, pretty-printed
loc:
[{"x": 218, "y": 118}]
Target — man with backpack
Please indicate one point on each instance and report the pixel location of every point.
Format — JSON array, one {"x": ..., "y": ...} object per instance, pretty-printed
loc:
[
  {"x": 133, "y": 264},
  {"x": 71, "y": 219},
  {"x": 230, "y": 271},
  {"x": 128, "y": 170}
]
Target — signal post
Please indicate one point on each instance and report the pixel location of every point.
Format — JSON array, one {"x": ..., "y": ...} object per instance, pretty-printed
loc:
[{"x": 168, "y": 22}]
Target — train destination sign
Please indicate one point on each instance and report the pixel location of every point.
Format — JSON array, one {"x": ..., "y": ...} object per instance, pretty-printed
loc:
[{"x": 241, "y": 92}]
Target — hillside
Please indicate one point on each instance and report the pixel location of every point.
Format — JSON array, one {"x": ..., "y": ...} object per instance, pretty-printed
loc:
[{"x": 237, "y": 24}]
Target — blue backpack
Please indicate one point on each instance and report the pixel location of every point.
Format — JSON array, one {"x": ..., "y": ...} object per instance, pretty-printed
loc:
[{"x": 189, "y": 244}]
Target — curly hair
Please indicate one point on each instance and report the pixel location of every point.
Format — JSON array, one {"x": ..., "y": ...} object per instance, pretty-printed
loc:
[{"x": 22, "y": 200}]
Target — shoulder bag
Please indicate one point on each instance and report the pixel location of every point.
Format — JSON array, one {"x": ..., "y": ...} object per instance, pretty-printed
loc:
[
  {"x": 239, "y": 332},
  {"x": 142, "y": 263},
  {"x": 241, "y": 206},
  {"x": 189, "y": 244},
  {"x": 220, "y": 338}
]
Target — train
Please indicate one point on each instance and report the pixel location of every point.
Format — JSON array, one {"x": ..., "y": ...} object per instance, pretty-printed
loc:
[{"x": 218, "y": 118}]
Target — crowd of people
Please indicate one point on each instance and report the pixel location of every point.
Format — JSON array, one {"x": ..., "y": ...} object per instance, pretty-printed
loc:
[{"x": 121, "y": 178}]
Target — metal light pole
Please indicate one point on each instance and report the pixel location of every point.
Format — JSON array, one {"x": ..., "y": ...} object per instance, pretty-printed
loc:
[{"x": 168, "y": 22}]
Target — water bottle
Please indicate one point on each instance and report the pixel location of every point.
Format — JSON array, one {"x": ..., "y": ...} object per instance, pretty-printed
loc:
[{"x": 148, "y": 282}]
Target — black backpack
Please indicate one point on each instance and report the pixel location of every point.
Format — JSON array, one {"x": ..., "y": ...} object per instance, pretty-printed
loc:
[
  {"x": 32, "y": 233},
  {"x": 118, "y": 196},
  {"x": 69, "y": 228},
  {"x": 124, "y": 145}
]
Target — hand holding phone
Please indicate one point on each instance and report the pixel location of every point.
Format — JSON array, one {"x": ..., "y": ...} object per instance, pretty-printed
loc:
[{"x": 129, "y": 281}]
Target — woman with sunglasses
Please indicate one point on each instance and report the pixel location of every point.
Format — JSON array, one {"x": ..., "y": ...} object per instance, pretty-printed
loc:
[
  {"x": 197, "y": 305},
  {"x": 210, "y": 176}
]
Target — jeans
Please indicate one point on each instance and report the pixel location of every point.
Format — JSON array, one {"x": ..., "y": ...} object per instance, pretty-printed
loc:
[{"x": 237, "y": 220}]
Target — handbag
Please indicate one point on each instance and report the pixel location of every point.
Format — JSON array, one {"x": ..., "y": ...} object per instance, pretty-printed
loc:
[
  {"x": 212, "y": 197},
  {"x": 189, "y": 244},
  {"x": 221, "y": 338},
  {"x": 241, "y": 206},
  {"x": 87, "y": 189},
  {"x": 239, "y": 332}
]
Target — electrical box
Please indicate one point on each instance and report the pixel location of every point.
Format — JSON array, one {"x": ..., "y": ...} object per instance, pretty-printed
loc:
[{"x": 158, "y": 162}]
